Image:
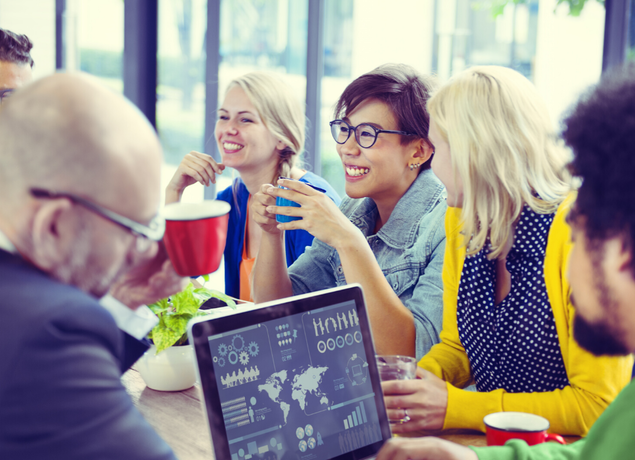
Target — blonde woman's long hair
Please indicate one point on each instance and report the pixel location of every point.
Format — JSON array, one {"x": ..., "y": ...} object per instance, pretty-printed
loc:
[
  {"x": 280, "y": 112},
  {"x": 503, "y": 150}
]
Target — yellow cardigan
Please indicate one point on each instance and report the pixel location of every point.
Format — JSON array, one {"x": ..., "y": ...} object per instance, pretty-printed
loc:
[{"x": 593, "y": 382}]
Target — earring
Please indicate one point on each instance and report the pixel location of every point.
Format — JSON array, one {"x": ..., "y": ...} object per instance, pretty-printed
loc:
[{"x": 414, "y": 166}]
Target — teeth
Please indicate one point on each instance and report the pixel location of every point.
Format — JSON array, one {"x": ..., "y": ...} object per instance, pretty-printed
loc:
[
  {"x": 356, "y": 171},
  {"x": 230, "y": 146}
]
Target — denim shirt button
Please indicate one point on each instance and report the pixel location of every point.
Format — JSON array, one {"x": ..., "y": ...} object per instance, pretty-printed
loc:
[
  {"x": 395, "y": 286},
  {"x": 340, "y": 270}
]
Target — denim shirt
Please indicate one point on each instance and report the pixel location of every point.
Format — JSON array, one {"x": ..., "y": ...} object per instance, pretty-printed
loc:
[{"x": 409, "y": 249}]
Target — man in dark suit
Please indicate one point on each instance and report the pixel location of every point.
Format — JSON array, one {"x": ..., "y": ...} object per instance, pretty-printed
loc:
[{"x": 80, "y": 188}]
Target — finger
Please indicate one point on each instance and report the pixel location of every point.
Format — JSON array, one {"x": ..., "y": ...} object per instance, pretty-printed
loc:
[
  {"x": 400, "y": 387},
  {"x": 218, "y": 167},
  {"x": 267, "y": 189},
  {"x": 298, "y": 186},
  {"x": 291, "y": 211},
  {"x": 205, "y": 166},
  {"x": 293, "y": 225}
]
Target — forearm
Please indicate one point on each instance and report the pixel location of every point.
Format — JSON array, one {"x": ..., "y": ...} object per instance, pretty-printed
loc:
[
  {"x": 270, "y": 277},
  {"x": 570, "y": 411},
  {"x": 392, "y": 323},
  {"x": 172, "y": 195}
]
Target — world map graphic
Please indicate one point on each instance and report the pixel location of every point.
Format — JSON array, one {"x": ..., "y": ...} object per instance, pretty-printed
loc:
[{"x": 282, "y": 389}]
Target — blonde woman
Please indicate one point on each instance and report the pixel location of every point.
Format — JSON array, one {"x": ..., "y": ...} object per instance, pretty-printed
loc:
[
  {"x": 260, "y": 134},
  {"x": 507, "y": 313}
]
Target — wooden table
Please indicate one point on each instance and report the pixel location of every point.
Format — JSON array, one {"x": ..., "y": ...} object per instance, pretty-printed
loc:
[{"x": 178, "y": 418}]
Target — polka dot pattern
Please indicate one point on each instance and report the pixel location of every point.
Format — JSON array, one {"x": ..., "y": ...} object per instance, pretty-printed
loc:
[{"x": 513, "y": 346}]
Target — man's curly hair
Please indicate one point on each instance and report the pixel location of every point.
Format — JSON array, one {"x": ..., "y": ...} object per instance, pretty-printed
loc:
[
  {"x": 601, "y": 132},
  {"x": 15, "y": 48}
]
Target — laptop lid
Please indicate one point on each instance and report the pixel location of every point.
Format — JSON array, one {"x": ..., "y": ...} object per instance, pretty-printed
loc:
[{"x": 292, "y": 379}]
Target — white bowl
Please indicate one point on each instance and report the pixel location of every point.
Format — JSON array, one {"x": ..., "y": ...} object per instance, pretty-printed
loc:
[{"x": 173, "y": 369}]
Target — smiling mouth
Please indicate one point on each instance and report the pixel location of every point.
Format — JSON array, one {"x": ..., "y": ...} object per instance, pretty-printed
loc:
[
  {"x": 354, "y": 171},
  {"x": 231, "y": 146}
]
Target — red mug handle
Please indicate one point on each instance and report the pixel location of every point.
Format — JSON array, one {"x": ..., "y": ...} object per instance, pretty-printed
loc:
[{"x": 554, "y": 437}]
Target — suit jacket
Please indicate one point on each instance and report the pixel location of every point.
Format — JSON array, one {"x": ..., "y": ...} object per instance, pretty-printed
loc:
[{"x": 61, "y": 359}]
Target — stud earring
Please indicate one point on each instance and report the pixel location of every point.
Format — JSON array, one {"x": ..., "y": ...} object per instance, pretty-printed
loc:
[{"x": 414, "y": 166}]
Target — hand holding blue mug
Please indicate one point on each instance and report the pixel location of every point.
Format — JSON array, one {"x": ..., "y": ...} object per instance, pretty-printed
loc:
[{"x": 280, "y": 201}]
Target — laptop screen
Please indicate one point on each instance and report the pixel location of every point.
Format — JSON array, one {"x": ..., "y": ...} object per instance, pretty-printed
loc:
[{"x": 295, "y": 380}]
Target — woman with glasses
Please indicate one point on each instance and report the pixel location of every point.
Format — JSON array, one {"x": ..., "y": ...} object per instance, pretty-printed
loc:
[
  {"x": 508, "y": 314},
  {"x": 388, "y": 233},
  {"x": 260, "y": 134}
]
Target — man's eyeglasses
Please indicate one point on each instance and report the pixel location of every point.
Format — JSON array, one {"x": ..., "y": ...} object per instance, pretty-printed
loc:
[
  {"x": 5, "y": 93},
  {"x": 144, "y": 233},
  {"x": 365, "y": 134}
]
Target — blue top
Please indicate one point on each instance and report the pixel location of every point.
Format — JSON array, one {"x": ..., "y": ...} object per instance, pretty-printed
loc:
[
  {"x": 409, "y": 249},
  {"x": 295, "y": 241},
  {"x": 513, "y": 345}
]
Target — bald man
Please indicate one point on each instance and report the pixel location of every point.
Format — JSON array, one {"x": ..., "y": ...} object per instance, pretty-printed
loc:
[
  {"x": 15, "y": 62},
  {"x": 79, "y": 180}
]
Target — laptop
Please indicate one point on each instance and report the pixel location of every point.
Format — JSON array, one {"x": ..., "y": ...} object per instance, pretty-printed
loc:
[{"x": 292, "y": 379}]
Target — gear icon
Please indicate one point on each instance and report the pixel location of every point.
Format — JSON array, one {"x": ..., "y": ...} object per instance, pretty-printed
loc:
[
  {"x": 222, "y": 349},
  {"x": 221, "y": 362},
  {"x": 244, "y": 358},
  {"x": 253, "y": 349},
  {"x": 238, "y": 342}
]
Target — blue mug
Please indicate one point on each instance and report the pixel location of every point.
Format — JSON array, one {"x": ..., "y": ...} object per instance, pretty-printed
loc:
[{"x": 284, "y": 202}]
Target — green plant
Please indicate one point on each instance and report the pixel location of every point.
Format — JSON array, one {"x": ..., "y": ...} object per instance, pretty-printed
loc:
[{"x": 175, "y": 311}]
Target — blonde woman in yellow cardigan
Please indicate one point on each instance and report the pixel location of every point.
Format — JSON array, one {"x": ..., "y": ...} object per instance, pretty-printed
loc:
[{"x": 507, "y": 325}]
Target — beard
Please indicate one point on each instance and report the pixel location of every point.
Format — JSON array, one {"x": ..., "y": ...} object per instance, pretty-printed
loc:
[{"x": 599, "y": 339}]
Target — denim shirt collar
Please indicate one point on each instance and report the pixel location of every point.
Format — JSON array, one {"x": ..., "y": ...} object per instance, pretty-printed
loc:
[{"x": 401, "y": 229}]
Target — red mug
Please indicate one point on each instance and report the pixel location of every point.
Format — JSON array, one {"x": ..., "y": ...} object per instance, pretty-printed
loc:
[
  {"x": 500, "y": 427},
  {"x": 195, "y": 235}
]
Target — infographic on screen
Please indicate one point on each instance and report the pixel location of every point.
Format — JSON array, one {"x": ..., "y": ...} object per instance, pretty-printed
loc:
[{"x": 296, "y": 387}]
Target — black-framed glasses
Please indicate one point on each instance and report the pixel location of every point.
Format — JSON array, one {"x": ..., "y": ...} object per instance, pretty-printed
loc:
[
  {"x": 365, "y": 134},
  {"x": 145, "y": 233},
  {"x": 5, "y": 93}
]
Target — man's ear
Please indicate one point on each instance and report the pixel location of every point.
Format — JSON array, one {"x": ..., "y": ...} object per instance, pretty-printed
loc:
[
  {"x": 53, "y": 231},
  {"x": 423, "y": 150}
]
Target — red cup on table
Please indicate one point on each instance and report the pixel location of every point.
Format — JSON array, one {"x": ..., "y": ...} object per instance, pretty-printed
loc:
[
  {"x": 195, "y": 235},
  {"x": 500, "y": 427}
]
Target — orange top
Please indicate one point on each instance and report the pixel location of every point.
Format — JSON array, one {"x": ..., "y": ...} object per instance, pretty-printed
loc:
[{"x": 246, "y": 265}]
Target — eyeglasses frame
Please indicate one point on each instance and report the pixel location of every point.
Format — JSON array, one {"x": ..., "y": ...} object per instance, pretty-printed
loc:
[
  {"x": 4, "y": 93},
  {"x": 354, "y": 129},
  {"x": 154, "y": 231}
]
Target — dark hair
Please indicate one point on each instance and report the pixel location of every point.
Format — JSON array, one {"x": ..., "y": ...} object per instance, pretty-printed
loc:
[
  {"x": 15, "y": 48},
  {"x": 404, "y": 90},
  {"x": 601, "y": 132}
]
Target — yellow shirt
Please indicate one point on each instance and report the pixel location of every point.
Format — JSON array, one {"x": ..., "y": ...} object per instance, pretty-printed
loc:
[{"x": 594, "y": 381}]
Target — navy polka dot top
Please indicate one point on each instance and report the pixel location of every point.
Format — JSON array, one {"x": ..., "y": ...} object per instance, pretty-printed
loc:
[{"x": 513, "y": 345}]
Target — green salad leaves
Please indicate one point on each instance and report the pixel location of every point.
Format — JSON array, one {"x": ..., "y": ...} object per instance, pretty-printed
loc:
[{"x": 174, "y": 313}]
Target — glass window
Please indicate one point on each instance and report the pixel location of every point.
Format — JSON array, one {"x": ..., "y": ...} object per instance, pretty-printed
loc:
[
  {"x": 94, "y": 39},
  {"x": 35, "y": 19},
  {"x": 631, "y": 34},
  {"x": 263, "y": 35},
  {"x": 181, "y": 90},
  {"x": 360, "y": 35}
]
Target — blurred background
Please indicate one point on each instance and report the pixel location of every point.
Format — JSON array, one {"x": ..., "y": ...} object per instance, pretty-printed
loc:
[{"x": 319, "y": 46}]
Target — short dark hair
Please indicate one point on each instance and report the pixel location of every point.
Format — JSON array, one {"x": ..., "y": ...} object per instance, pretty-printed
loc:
[
  {"x": 15, "y": 48},
  {"x": 601, "y": 132},
  {"x": 402, "y": 88}
]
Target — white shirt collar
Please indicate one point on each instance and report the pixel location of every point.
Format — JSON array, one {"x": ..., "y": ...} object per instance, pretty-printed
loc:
[{"x": 6, "y": 244}]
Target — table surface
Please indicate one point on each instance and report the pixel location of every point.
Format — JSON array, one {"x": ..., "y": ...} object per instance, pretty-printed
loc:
[{"x": 178, "y": 418}]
